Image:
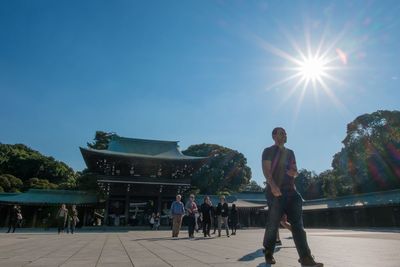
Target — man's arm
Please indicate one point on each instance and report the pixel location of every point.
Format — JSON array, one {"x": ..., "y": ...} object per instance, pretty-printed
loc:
[
  {"x": 266, "y": 166},
  {"x": 293, "y": 167}
]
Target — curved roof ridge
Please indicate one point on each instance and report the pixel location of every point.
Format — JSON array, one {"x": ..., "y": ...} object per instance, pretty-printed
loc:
[{"x": 142, "y": 140}]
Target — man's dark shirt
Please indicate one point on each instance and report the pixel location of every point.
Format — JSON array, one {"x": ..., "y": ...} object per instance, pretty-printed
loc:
[
  {"x": 281, "y": 161},
  {"x": 206, "y": 211},
  {"x": 222, "y": 209}
]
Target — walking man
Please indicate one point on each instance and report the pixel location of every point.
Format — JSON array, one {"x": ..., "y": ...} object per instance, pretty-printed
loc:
[
  {"x": 15, "y": 218},
  {"x": 222, "y": 213},
  {"x": 191, "y": 209},
  {"x": 205, "y": 209},
  {"x": 62, "y": 216},
  {"x": 177, "y": 212},
  {"x": 279, "y": 168}
]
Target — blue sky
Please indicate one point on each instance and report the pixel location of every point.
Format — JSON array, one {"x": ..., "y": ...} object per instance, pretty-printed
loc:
[{"x": 194, "y": 71}]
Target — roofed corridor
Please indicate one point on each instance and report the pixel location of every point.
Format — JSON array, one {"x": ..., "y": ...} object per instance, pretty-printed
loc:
[{"x": 156, "y": 248}]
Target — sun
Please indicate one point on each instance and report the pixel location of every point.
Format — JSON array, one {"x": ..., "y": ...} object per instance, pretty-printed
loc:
[
  {"x": 312, "y": 69},
  {"x": 315, "y": 66}
]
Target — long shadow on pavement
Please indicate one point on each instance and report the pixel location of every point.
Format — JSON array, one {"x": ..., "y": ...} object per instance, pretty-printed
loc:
[{"x": 259, "y": 253}]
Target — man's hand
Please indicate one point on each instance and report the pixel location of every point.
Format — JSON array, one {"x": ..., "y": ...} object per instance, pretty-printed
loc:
[
  {"x": 275, "y": 190},
  {"x": 292, "y": 173}
]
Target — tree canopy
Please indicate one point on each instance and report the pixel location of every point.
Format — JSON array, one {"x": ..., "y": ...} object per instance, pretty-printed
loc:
[
  {"x": 10, "y": 183},
  {"x": 101, "y": 140},
  {"x": 226, "y": 170},
  {"x": 253, "y": 187},
  {"x": 19, "y": 163},
  {"x": 370, "y": 158}
]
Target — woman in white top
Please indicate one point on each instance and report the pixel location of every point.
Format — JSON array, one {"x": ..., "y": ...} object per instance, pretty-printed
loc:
[{"x": 62, "y": 215}]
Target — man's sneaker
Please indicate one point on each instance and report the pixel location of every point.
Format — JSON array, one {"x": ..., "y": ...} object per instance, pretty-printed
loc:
[
  {"x": 309, "y": 261},
  {"x": 269, "y": 259},
  {"x": 278, "y": 243}
]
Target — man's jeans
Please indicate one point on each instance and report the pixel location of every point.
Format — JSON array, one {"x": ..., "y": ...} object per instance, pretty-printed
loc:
[
  {"x": 191, "y": 221},
  {"x": 176, "y": 224},
  {"x": 290, "y": 203},
  {"x": 223, "y": 220}
]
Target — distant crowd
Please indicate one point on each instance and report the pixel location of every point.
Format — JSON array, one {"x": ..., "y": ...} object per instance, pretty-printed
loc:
[
  {"x": 66, "y": 219},
  {"x": 204, "y": 216}
]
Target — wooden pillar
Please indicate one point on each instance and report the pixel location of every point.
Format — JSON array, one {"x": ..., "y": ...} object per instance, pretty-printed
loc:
[
  {"x": 127, "y": 207},
  {"x": 159, "y": 199},
  {"x": 84, "y": 221},
  {"x": 34, "y": 218},
  {"x": 6, "y": 222},
  {"x": 106, "y": 211}
]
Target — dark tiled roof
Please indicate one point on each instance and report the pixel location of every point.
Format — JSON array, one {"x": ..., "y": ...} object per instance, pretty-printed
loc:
[{"x": 49, "y": 197}]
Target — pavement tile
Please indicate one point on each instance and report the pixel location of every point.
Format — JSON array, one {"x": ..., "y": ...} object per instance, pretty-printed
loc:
[{"x": 156, "y": 249}]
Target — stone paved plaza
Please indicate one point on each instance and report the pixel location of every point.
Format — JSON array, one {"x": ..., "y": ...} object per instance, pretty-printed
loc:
[{"x": 156, "y": 248}]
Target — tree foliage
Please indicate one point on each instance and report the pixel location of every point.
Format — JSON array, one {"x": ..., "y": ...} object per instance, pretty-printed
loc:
[
  {"x": 101, "y": 140},
  {"x": 37, "y": 183},
  {"x": 370, "y": 158},
  {"x": 225, "y": 169},
  {"x": 25, "y": 163},
  {"x": 87, "y": 181},
  {"x": 10, "y": 183},
  {"x": 309, "y": 184},
  {"x": 254, "y": 187}
]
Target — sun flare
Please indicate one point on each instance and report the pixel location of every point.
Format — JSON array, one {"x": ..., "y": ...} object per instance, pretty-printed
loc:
[
  {"x": 315, "y": 66},
  {"x": 312, "y": 69}
]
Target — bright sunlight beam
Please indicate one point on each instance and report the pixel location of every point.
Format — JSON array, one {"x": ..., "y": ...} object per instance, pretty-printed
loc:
[
  {"x": 312, "y": 69},
  {"x": 309, "y": 69}
]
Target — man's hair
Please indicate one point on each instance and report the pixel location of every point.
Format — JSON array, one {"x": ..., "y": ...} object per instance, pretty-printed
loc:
[
  {"x": 179, "y": 196},
  {"x": 275, "y": 130}
]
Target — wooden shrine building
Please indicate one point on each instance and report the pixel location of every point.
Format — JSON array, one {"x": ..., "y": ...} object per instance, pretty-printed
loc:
[{"x": 139, "y": 176}]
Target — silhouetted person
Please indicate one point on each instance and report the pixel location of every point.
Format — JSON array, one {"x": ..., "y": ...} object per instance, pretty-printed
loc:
[
  {"x": 234, "y": 217},
  {"x": 279, "y": 168},
  {"x": 222, "y": 215},
  {"x": 205, "y": 210},
  {"x": 285, "y": 224},
  {"x": 73, "y": 219},
  {"x": 62, "y": 216},
  {"x": 191, "y": 210},
  {"x": 15, "y": 218}
]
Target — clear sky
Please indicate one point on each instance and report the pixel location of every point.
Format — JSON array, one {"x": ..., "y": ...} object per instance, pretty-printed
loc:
[{"x": 195, "y": 71}]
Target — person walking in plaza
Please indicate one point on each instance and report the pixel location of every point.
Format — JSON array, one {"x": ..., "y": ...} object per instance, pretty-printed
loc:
[
  {"x": 74, "y": 220},
  {"x": 152, "y": 220},
  {"x": 205, "y": 210},
  {"x": 157, "y": 221},
  {"x": 284, "y": 224},
  {"x": 222, "y": 215},
  {"x": 15, "y": 218},
  {"x": 214, "y": 218},
  {"x": 177, "y": 213},
  {"x": 191, "y": 210},
  {"x": 62, "y": 216},
  {"x": 234, "y": 218},
  {"x": 279, "y": 168}
]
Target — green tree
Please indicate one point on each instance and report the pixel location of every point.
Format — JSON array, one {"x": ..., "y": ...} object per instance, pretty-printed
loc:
[
  {"x": 5, "y": 184},
  {"x": 224, "y": 170},
  {"x": 101, "y": 140},
  {"x": 13, "y": 183},
  {"x": 309, "y": 184},
  {"x": 24, "y": 163},
  {"x": 335, "y": 185},
  {"x": 254, "y": 187},
  {"x": 88, "y": 181},
  {"x": 37, "y": 183},
  {"x": 369, "y": 160}
]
